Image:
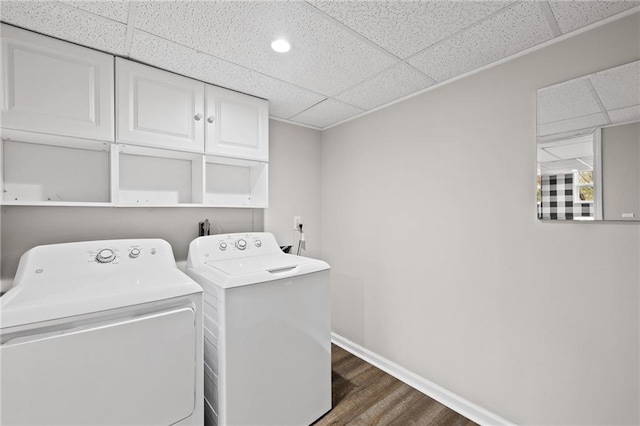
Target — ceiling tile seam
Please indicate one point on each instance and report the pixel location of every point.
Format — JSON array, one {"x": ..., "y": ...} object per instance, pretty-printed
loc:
[
  {"x": 563, "y": 142},
  {"x": 308, "y": 108},
  {"x": 465, "y": 29},
  {"x": 550, "y": 18},
  {"x": 433, "y": 80},
  {"x": 295, "y": 123},
  {"x": 131, "y": 22},
  {"x": 554, "y": 138},
  {"x": 570, "y": 118},
  {"x": 347, "y": 28},
  {"x": 550, "y": 153},
  {"x": 93, "y": 15},
  {"x": 501, "y": 61},
  {"x": 603, "y": 109},
  {"x": 200, "y": 52},
  {"x": 371, "y": 77},
  {"x": 347, "y": 103}
]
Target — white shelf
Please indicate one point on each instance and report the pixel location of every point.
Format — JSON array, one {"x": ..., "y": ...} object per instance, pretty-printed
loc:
[
  {"x": 119, "y": 175},
  {"x": 151, "y": 176},
  {"x": 235, "y": 183},
  {"x": 35, "y": 173},
  {"x": 55, "y": 204}
]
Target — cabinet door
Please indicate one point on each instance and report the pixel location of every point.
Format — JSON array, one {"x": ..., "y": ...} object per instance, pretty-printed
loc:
[
  {"x": 53, "y": 87},
  {"x": 159, "y": 109},
  {"x": 237, "y": 125}
]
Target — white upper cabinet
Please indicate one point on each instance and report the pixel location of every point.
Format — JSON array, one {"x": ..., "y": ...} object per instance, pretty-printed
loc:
[
  {"x": 159, "y": 109},
  {"x": 237, "y": 125},
  {"x": 53, "y": 87}
]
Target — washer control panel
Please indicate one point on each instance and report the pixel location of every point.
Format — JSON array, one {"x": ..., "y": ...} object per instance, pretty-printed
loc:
[{"x": 229, "y": 246}]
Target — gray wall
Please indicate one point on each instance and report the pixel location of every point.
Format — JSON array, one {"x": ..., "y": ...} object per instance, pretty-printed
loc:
[
  {"x": 621, "y": 171},
  {"x": 26, "y": 227},
  {"x": 438, "y": 261},
  {"x": 294, "y": 185}
]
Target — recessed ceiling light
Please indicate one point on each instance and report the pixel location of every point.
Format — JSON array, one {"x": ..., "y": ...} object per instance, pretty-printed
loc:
[{"x": 281, "y": 45}]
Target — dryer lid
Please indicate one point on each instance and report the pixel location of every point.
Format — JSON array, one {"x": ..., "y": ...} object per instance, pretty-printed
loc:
[
  {"x": 32, "y": 302},
  {"x": 65, "y": 280}
]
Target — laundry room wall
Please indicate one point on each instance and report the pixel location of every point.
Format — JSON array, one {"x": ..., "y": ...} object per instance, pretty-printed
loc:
[
  {"x": 294, "y": 189},
  {"x": 26, "y": 227},
  {"x": 294, "y": 185},
  {"x": 440, "y": 265}
]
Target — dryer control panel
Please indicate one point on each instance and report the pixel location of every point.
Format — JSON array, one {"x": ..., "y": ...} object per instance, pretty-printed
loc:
[
  {"x": 95, "y": 257},
  {"x": 117, "y": 251}
]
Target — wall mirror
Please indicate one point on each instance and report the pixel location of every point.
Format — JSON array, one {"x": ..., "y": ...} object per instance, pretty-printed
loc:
[{"x": 588, "y": 147}]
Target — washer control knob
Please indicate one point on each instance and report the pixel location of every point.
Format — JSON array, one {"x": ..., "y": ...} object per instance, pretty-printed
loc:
[
  {"x": 241, "y": 244},
  {"x": 223, "y": 246},
  {"x": 258, "y": 243},
  {"x": 105, "y": 256},
  {"x": 135, "y": 252}
]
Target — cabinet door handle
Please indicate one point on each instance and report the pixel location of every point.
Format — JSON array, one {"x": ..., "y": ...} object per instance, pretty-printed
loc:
[
  {"x": 197, "y": 117},
  {"x": 211, "y": 119}
]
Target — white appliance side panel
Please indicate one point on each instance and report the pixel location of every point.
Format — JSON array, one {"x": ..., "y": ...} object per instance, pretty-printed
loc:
[
  {"x": 277, "y": 352},
  {"x": 138, "y": 371}
]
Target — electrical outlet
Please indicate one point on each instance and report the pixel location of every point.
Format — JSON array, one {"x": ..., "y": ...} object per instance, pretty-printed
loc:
[{"x": 297, "y": 220}]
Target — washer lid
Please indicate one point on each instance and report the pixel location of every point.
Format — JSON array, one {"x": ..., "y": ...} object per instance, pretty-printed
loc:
[{"x": 255, "y": 269}]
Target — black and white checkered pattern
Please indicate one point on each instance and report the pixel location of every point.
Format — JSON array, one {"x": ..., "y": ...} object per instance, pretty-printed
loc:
[{"x": 557, "y": 199}]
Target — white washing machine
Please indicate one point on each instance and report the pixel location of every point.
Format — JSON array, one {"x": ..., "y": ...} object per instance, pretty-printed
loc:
[
  {"x": 101, "y": 333},
  {"x": 267, "y": 331}
]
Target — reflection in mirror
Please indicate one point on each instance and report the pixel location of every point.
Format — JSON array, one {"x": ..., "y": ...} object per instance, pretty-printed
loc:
[{"x": 588, "y": 147}]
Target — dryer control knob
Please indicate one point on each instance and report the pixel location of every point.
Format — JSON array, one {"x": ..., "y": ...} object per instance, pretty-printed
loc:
[
  {"x": 223, "y": 246},
  {"x": 105, "y": 256},
  {"x": 134, "y": 253},
  {"x": 241, "y": 244},
  {"x": 258, "y": 243}
]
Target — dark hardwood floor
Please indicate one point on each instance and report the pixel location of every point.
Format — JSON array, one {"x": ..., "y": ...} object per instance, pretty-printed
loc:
[{"x": 365, "y": 395}]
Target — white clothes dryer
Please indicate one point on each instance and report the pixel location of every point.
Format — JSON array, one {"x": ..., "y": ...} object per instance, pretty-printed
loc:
[
  {"x": 101, "y": 333},
  {"x": 267, "y": 331}
]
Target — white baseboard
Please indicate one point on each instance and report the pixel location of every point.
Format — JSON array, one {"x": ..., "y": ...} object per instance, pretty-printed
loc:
[{"x": 443, "y": 396}]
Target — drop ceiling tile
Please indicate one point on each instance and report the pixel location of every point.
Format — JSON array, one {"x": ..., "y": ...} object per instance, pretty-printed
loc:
[
  {"x": 406, "y": 27},
  {"x": 325, "y": 57},
  {"x": 570, "y": 99},
  {"x": 544, "y": 156},
  {"x": 115, "y": 10},
  {"x": 565, "y": 166},
  {"x": 68, "y": 23},
  {"x": 587, "y": 160},
  {"x": 573, "y": 150},
  {"x": 285, "y": 99},
  {"x": 572, "y": 124},
  {"x": 326, "y": 113},
  {"x": 572, "y": 15},
  {"x": 624, "y": 115},
  {"x": 618, "y": 87},
  {"x": 393, "y": 83},
  {"x": 565, "y": 135},
  {"x": 517, "y": 28}
]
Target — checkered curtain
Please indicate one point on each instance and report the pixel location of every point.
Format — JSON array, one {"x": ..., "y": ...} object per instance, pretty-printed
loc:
[{"x": 557, "y": 199}]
